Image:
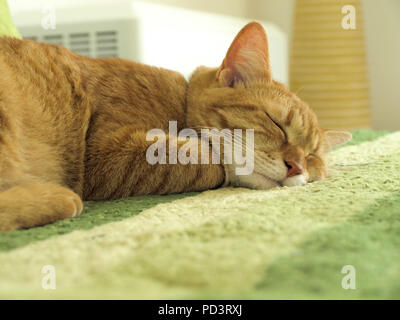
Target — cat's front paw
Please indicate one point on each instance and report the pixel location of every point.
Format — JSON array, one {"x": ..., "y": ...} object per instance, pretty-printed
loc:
[
  {"x": 31, "y": 206},
  {"x": 67, "y": 203},
  {"x": 254, "y": 181}
]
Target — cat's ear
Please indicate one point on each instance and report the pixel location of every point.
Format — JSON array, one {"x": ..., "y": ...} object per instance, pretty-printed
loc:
[
  {"x": 335, "y": 137},
  {"x": 247, "y": 58}
]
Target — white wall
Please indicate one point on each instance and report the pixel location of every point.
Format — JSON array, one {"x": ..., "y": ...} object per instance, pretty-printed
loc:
[
  {"x": 382, "y": 34},
  {"x": 230, "y": 7},
  {"x": 279, "y": 12},
  {"x": 383, "y": 43}
]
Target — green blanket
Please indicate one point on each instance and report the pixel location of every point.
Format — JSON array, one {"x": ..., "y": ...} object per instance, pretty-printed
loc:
[{"x": 228, "y": 243}]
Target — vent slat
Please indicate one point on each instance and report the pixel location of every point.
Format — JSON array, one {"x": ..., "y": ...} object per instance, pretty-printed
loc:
[
  {"x": 81, "y": 50},
  {"x": 31, "y": 38},
  {"x": 107, "y": 56},
  {"x": 81, "y": 42},
  {"x": 112, "y": 48},
  {"x": 79, "y": 35},
  {"x": 106, "y": 44},
  {"x": 53, "y": 37},
  {"x": 100, "y": 43},
  {"x": 106, "y": 33},
  {"x": 106, "y": 41}
]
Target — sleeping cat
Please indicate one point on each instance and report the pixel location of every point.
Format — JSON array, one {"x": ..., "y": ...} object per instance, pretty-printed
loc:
[{"x": 74, "y": 128}]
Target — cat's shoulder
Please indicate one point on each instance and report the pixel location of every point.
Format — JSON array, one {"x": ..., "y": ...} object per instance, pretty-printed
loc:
[
  {"x": 21, "y": 47},
  {"x": 10, "y": 43}
]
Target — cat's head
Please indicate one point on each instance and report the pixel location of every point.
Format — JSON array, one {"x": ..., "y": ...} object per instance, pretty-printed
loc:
[{"x": 289, "y": 145}]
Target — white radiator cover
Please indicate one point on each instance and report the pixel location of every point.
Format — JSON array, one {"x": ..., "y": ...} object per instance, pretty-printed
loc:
[{"x": 165, "y": 36}]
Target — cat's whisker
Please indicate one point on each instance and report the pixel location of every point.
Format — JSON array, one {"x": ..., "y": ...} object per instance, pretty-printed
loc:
[{"x": 299, "y": 90}]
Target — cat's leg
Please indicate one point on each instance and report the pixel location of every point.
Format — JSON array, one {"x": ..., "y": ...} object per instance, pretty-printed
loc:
[
  {"x": 120, "y": 167},
  {"x": 35, "y": 205}
]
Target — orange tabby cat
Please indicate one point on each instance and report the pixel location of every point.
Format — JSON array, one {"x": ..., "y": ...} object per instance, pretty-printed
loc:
[{"x": 74, "y": 128}]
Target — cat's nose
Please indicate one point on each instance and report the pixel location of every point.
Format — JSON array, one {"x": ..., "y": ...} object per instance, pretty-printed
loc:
[{"x": 293, "y": 169}]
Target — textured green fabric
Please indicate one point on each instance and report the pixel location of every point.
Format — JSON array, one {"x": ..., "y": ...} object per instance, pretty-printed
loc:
[
  {"x": 228, "y": 243},
  {"x": 101, "y": 212},
  {"x": 370, "y": 241},
  {"x": 231, "y": 243},
  {"x": 94, "y": 214},
  {"x": 7, "y": 27}
]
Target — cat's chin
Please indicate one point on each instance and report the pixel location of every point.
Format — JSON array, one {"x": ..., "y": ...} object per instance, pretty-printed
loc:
[
  {"x": 259, "y": 181},
  {"x": 299, "y": 180}
]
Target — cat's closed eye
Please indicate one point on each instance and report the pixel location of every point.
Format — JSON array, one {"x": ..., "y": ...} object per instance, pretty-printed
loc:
[{"x": 277, "y": 125}]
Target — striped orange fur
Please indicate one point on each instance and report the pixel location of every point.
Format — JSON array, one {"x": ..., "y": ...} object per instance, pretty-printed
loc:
[{"x": 74, "y": 128}]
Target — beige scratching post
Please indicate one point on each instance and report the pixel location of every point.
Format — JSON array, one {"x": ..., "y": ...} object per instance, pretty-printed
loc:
[{"x": 328, "y": 62}]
